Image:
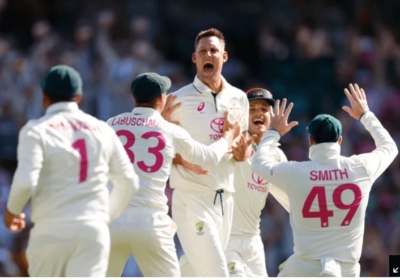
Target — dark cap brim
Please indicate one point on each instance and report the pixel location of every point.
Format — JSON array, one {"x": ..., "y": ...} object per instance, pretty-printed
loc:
[
  {"x": 167, "y": 82},
  {"x": 269, "y": 100}
]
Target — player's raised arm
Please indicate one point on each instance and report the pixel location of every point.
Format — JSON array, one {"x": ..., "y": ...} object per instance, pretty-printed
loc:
[
  {"x": 386, "y": 150},
  {"x": 125, "y": 181},
  {"x": 198, "y": 153},
  {"x": 263, "y": 164}
]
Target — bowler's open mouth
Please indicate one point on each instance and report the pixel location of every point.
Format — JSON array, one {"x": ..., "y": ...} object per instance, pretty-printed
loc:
[
  {"x": 208, "y": 67},
  {"x": 258, "y": 122}
]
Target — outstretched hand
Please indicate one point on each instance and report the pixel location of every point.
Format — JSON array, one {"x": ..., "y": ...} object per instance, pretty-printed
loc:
[
  {"x": 279, "y": 117},
  {"x": 169, "y": 109},
  {"x": 358, "y": 102}
]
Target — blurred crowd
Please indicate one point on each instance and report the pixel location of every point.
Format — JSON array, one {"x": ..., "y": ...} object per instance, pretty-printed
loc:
[{"x": 306, "y": 51}]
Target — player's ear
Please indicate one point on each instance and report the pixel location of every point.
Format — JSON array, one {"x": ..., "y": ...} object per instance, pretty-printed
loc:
[
  {"x": 340, "y": 140},
  {"x": 310, "y": 140},
  {"x": 225, "y": 57},
  {"x": 45, "y": 100},
  {"x": 194, "y": 57},
  {"x": 78, "y": 98}
]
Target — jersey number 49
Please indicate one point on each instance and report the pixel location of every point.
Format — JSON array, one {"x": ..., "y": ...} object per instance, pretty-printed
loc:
[{"x": 323, "y": 212}]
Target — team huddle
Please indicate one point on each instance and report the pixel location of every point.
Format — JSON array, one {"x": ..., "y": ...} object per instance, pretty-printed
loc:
[{"x": 97, "y": 189}]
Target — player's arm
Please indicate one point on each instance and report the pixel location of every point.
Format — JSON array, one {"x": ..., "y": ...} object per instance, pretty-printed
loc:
[
  {"x": 386, "y": 150},
  {"x": 263, "y": 164},
  {"x": 125, "y": 180},
  {"x": 197, "y": 153},
  {"x": 278, "y": 193},
  {"x": 26, "y": 177}
]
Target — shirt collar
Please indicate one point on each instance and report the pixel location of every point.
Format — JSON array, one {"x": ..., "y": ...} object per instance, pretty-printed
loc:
[
  {"x": 145, "y": 111},
  {"x": 203, "y": 88},
  {"x": 62, "y": 106},
  {"x": 324, "y": 151}
]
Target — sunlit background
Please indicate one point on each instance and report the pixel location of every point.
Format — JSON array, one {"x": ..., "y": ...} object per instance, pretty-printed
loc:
[{"x": 306, "y": 51}]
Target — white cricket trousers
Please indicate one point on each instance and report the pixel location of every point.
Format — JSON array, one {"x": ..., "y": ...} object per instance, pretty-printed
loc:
[
  {"x": 203, "y": 231},
  {"x": 245, "y": 256},
  {"x": 148, "y": 234},
  {"x": 295, "y": 266},
  {"x": 78, "y": 249}
]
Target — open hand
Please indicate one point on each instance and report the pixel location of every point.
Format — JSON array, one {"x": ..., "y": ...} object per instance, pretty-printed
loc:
[
  {"x": 169, "y": 109},
  {"x": 15, "y": 223},
  {"x": 358, "y": 102},
  {"x": 279, "y": 117},
  {"x": 241, "y": 149}
]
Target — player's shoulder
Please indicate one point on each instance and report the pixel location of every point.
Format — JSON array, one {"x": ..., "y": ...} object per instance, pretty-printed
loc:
[
  {"x": 237, "y": 91},
  {"x": 281, "y": 157},
  {"x": 184, "y": 91}
]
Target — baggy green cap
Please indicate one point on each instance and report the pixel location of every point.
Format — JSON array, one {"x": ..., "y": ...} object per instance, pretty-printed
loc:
[
  {"x": 148, "y": 86},
  {"x": 62, "y": 81},
  {"x": 325, "y": 129}
]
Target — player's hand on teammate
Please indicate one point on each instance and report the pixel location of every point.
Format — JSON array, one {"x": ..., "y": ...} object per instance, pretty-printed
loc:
[
  {"x": 241, "y": 148},
  {"x": 15, "y": 223},
  {"x": 169, "y": 109},
  {"x": 195, "y": 168},
  {"x": 358, "y": 102},
  {"x": 279, "y": 117},
  {"x": 231, "y": 129}
]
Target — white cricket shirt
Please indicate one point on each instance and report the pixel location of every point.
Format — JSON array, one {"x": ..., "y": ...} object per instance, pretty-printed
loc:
[
  {"x": 63, "y": 162},
  {"x": 250, "y": 195},
  {"x": 202, "y": 116},
  {"x": 328, "y": 195},
  {"x": 152, "y": 143}
]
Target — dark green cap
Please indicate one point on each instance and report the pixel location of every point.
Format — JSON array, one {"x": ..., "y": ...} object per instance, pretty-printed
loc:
[
  {"x": 325, "y": 128},
  {"x": 62, "y": 81},
  {"x": 148, "y": 86}
]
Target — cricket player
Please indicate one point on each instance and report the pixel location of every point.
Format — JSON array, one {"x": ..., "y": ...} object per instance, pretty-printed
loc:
[
  {"x": 202, "y": 206},
  {"x": 144, "y": 229},
  {"x": 63, "y": 162},
  {"x": 328, "y": 195},
  {"x": 245, "y": 252}
]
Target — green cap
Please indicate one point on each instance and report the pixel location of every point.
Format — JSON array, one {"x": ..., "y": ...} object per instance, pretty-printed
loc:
[
  {"x": 325, "y": 128},
  {"x": 148, "y": 86},
  {"x": 62, "y": 81}
]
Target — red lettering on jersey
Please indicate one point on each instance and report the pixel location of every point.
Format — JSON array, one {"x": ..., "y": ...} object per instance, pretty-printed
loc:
[
  {"x": 344, "y": 173},
  {"x": 324, "y": 176},
  {"x": 314, "y": 175},
  {"x": 122, "y": 121}
]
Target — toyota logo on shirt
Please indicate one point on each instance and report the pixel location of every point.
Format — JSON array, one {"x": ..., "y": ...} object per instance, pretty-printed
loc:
[
  {"x": 258, "y": 180},
  {"x": 217, "y": 125}
]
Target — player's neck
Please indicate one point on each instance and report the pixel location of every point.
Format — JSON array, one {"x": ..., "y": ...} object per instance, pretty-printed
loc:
[
  {"x": 215, "y": 85},
  {"x": 257, "y": 140}
]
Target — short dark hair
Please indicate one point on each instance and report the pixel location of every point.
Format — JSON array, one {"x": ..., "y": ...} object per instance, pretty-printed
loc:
[
  {"x": 209, "y": 33},
  {"x": 55, "y": 99},
  {"x": 150, "y": 104}
]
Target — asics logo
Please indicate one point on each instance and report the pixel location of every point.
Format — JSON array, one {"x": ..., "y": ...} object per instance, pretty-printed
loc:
[{"x": 201, "y": 106}]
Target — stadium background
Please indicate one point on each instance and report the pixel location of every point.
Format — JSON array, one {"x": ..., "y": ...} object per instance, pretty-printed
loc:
[{"x": 307, "y": 51}]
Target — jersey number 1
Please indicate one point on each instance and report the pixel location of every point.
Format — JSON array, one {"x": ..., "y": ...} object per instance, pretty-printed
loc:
[
  {"x": 80, "y": 145},
  {"x": 323, "y": 212}
]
